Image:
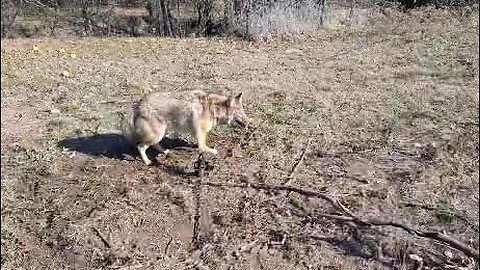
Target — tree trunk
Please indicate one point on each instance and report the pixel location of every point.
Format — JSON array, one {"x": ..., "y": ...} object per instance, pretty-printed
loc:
[
  {"x": 322, "y": 12},
  {"x": 167, "y": 27},
  {"x": 161, "y": 17},
  {"x": 199, "y": 16},
  {"x": 248, "y": 18}
]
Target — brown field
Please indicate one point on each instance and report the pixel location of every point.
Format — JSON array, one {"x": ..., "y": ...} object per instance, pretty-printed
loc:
[{"x": 390, "y": 110}]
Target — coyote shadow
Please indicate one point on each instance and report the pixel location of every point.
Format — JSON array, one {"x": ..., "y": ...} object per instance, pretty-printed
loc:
[{"x": 115, "y": 146}]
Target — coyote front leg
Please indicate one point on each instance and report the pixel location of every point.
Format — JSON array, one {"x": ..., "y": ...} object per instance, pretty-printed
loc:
[{"x": 202, "y": 141}]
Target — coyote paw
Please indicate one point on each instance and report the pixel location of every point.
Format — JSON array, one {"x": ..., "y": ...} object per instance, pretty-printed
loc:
[
  {"x": 164, "y": 152},
  {"x": 212, "y": 151},
  {"x": 209, "y": 150},
  {"x": 147, "y": 162}
]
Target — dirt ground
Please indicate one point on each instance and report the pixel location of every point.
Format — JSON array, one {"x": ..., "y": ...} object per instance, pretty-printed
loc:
[{"x": 389, "y": 112}]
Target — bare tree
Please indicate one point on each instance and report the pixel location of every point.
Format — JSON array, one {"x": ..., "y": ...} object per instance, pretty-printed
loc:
[
  {"x": 162, "y": 17},
  {"x": 10, "y": 9}
]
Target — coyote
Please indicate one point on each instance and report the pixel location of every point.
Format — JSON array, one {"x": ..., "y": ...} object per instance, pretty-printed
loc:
[{"x": 194, "y": 112}]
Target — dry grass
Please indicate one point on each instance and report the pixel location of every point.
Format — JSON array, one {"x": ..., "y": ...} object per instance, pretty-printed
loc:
[
  {"x": 283, "y": 21},
  {"x": 391, "y": 110}
]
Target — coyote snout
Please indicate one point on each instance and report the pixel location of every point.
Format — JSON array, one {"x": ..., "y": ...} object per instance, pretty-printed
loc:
[{"x": 194, "y": 112}]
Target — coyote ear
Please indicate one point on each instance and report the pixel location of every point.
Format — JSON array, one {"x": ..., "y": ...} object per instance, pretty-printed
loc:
[{"x": 239, "y": 98}]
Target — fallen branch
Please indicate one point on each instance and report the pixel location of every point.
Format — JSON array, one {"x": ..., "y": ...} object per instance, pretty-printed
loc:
[
  {"x": 441, "y": 210},
  {"x": 350, "y": 217},
  {"x": 450, "y": 241},
  {"x": 200, "y": 166}
]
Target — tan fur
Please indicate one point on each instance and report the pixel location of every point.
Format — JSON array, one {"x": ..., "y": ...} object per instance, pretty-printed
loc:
[{"x": 194, "y": 112}]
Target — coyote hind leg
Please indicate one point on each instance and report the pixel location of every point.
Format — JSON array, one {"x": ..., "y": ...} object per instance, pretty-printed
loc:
[
  {"x": 142, "y": 149},
  {"x": 160, "y": 149}
]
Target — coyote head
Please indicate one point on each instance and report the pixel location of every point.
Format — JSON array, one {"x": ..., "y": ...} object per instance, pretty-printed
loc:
[{"x": 231, "y": 111}]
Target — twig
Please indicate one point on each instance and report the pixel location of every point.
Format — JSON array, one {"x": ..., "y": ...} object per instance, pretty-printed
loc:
[
  {"x": 99, "y": 235},
  {"x": 21, "y": 116},
  {"x": 179, "y": 86},
  {"x": 290, "y": 177},
  {"x": 114, "y": 101},
  {"x": 168, "y": 246},
  {"x": 297, "y": 164},
  {"x": 350, "y": 217},
  {"x": 90, "y": 212}
]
